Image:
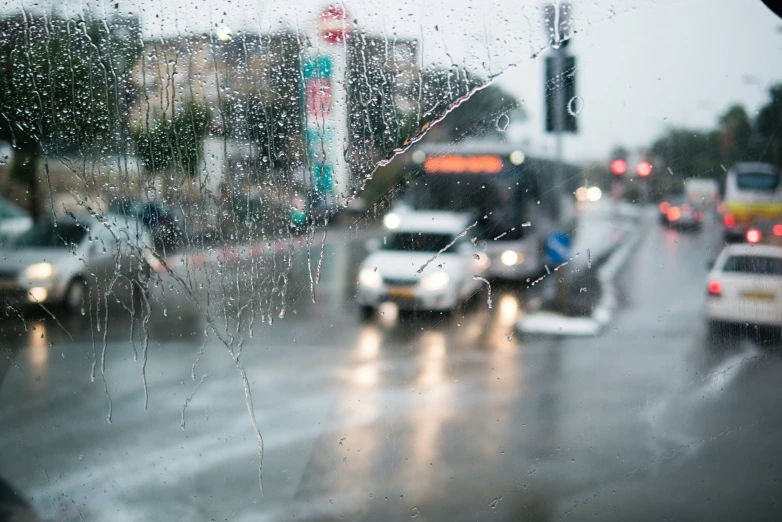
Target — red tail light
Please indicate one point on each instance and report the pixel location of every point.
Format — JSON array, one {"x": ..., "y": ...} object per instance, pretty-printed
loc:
[
  {"x": 715, "y": 288},
  {"x": 664, "y": 206},
  {"x": 674, "y": 213},
  {"x": 754, "y": 235},
  {"x": 698, "y": 216},
  {"x": 729, "y": 220},
  {"x": 777, "y": 230}
]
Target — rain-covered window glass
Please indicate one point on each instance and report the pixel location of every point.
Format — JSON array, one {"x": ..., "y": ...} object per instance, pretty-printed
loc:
[
  {"x": 754, "y": 265},
  {"x": 357, "y": 260}
]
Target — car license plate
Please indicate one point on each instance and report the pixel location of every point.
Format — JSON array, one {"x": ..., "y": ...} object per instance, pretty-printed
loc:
[
  {"x": 401, "y": 292},
  {"x": 759, "y": 296}
]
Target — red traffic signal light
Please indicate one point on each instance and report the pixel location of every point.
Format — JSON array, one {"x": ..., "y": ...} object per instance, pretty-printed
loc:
[
  {"x": 644, "y": 169},
  {"x": 619, "y": 167}
]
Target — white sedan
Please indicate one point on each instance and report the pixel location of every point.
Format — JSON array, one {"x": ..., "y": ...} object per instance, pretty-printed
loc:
[
  {"x": 745, "y": 286},
  {"x": 54, "y": 263},
  {"x": 426, "y": 263}
]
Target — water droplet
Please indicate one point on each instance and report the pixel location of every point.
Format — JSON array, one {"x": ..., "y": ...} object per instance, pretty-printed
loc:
[
  {"x": 502, "y": 123},
  {"x": 575, "y": 105},
  {"x": 488, "y": 287},
  {"x": 414, "y": 512}
]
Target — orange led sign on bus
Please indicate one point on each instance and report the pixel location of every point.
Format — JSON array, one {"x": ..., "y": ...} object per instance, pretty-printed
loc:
[{"x": 463, "y": 164}]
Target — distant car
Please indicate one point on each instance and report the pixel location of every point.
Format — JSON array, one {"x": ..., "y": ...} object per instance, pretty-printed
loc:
[
  {"x": 425, "y": 242},
  {"x": 13, "y": 220},
  {"x": 680, "y": 212},
  {"x": 745, "y": 286},
  {"x": 54, "y": 264}
]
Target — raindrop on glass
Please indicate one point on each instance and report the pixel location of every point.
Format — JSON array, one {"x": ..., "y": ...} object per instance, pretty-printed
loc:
[
  {"x": 575, "y": 105},
  {"x": 502, "y": 123}
]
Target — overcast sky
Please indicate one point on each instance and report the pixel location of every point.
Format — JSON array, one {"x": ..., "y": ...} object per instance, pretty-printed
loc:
[{"x": 642, "y": 65}]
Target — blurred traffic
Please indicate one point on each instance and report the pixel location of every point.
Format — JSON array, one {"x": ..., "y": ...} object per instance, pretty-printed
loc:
[{"x": 263, "y": 261}]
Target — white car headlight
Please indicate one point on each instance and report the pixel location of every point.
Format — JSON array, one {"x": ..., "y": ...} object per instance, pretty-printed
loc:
[
  {"x": 391, "y": 221},
  {"x": 39, "y": 271},
  {"x": 435, "y": 281},
  {"x": 370, "y": 278},
  {"x": 509, "y": 258}
]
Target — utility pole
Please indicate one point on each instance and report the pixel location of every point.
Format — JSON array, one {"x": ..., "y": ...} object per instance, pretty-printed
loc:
[{"x": 560, "y": 118}]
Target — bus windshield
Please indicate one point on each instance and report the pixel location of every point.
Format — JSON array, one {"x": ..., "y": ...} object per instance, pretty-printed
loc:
[
  {"x": 498, "y": 202},
  {"x": 757, "y": 181}
]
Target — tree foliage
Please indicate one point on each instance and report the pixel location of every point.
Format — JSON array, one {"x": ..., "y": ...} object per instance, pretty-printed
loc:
[
  {"x": 63, "y": 85},
  {"x": 736, "y": 137},
  {"x": 768, "y": 125},
  {"x": 174, "y": 143}
]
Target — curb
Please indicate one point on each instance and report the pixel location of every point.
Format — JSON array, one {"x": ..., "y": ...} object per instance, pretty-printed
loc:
[{"x": 551, "y": 323}]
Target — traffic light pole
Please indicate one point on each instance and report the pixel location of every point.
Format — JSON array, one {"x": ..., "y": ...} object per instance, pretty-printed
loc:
[{"x": 559, "y": 129}]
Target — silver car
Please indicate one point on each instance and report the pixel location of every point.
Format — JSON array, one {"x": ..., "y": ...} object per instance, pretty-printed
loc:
[{"x": 56, "y": 262}]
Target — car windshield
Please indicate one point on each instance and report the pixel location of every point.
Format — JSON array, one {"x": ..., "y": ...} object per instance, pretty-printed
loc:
[
  {"x": 49, "y": 235},
  {"x": 757, "y": 181},
  {"x": 425, "y": 260},
  {"x": 417, "y": 241},
  {"x": 760, "y": 265}
]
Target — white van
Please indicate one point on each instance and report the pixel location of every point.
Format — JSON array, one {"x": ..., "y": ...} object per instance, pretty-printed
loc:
[{"x": 705, "y": 192}]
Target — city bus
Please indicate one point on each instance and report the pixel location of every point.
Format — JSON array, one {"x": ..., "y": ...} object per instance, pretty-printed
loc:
[
  {"x": 514, "y": 200},
  {"x": 753, "y": 195}
]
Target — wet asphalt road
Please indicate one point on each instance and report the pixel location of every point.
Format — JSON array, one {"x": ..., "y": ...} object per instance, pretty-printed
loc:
[{"x": 432, "y": 417}]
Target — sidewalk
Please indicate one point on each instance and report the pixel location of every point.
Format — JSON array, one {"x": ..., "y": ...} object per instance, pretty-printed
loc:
[{"x": 604, "y": 237}]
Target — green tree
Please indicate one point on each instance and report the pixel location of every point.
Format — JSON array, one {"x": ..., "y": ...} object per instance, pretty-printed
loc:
[
  {"x": 174, "y": 143},
  {"x": 487, "y": 112},
  {"x": 63, "y": 89},
  {"x": 768, "y": 125},
  {"x": 688, "y": 153},
  {"x": 735, "y": 136}
]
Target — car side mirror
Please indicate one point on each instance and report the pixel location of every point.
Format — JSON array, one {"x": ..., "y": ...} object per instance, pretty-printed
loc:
[{"x": 372, "y": 244}]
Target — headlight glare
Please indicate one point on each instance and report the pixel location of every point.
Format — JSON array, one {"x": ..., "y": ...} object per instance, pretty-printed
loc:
[
  {"x": 39, "y": 271},
  {"x": 435, "y": 281},
  {"x": 369, "y": 278},
  {"x": 509, "y": 258},
  {"x": 391, "y": 221}
]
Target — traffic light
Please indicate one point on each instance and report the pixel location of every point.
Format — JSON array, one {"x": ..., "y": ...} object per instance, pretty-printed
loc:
[
  {"x": 618, "y": 166},
  {"x": 643, "y": 169},
  {"x": 560, "y": 89}
]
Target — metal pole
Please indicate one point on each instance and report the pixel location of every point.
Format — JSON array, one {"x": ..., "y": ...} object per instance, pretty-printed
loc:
[{"x": 559, "y": 170}]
